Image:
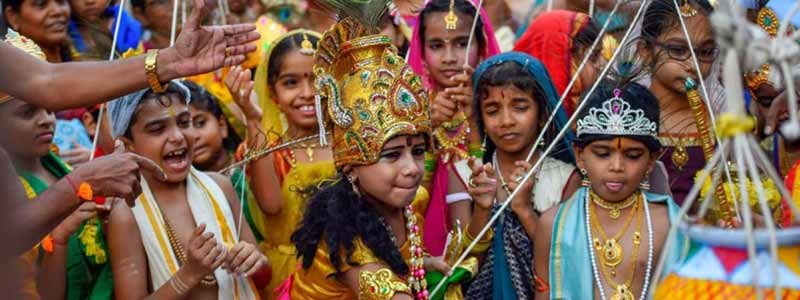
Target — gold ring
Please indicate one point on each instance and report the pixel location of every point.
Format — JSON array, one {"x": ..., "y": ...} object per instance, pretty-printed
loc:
[
  {"x": 228, "y": 51},
  {"x": 471, "y": 183}
]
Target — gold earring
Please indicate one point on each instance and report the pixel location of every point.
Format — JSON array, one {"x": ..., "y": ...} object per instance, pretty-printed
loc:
[
  {"x": 585, "y": 180},
  {"x": 352, "y": 179}
]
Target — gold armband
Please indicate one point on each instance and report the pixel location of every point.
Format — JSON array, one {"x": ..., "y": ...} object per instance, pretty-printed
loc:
[{"x": 381, "y": 285}]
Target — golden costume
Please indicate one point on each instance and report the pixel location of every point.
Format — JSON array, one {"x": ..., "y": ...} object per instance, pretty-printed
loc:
[
  {"x": 372, "y": 96},
  {"x": 294, "y": 177}
]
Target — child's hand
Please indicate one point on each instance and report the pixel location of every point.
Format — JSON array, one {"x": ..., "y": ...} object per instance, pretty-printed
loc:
[
  {"x": 85, "y": 211},
  {"x": 482, "y": 186},
  {"x": 436, "y": 264},
  {"x": 75, "y": 156},
  {"x": 244, "y": 259},
  {"x": 241, "y": 87},
  {"x": 462, "y": 92},
  {"x": 205, "y": 254},
  {"x": 522, "y": 201},
  {"x": 443, "y": 109}
]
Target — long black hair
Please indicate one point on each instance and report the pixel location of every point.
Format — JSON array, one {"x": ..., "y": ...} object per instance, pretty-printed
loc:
[
  {"x": 461, "y": 7},
  {"x": 337, "y": 216}
]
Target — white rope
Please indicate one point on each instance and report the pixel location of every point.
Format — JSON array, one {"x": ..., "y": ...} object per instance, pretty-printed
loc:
[
  {"x": 543, "y": 156},
  {"x": 472, "y": 32},
  {"x": 572, "y": 81},
  {"x": 747, "y": 216},
  {"x": 174, "y": 22},
  {"x": 110, "y": 58},
  {"x": 591, "y": 8},
  {"x": 790, "y": 129}
]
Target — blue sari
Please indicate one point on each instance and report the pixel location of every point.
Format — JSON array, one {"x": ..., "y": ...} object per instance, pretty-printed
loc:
[{"x": 130, "y": 31}]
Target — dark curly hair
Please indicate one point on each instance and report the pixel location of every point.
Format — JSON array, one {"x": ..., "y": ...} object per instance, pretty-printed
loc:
[{"x": 337, "y": 216}]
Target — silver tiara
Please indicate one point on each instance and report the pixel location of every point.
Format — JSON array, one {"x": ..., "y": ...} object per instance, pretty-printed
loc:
[{"x": 617, "y": 118}]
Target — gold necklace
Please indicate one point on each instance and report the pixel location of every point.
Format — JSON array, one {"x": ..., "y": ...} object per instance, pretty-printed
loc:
[
  {"x": 611, "y": 248},
  {"x": 614, "y": 209},
  {"x": 208, "y": 280},
  {"x": 621, "y": 291}
]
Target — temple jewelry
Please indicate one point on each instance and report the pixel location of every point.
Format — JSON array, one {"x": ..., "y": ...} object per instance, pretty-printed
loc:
[
  {"x": 614, "y": 209},
  {"x": 616, "y": 117},
  {"x": 306, "y": 47},
  {"x": 687, "y": 11},
  {"x": 382, "y": 284},
  {"x": 756, "y": 78},
  {"x": 584, "y": 178},
  {"x": 451, "y": 19},
  {"x": 768, "y": 20}
]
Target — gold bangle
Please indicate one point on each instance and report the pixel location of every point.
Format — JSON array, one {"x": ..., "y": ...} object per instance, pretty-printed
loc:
[
  {"x": 178, "y": 285},
  {"x": 150, "y": 71},
  {"x": 482, "y": 245}
]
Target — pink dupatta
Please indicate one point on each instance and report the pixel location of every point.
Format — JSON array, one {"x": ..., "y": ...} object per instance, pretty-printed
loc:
[{"x": 436, "y": 217}]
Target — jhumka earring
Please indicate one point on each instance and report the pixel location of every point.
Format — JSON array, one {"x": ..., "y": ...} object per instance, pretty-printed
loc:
[
  {"x": 645, "y": 184},
  {"x": 352, "y": 181},
  {"x": 451, "y": 20},
  {"x": 585, "y": 180}
]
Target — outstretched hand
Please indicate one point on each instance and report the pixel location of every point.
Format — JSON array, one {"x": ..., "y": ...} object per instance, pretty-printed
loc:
[{"x": 202, "y": 49}]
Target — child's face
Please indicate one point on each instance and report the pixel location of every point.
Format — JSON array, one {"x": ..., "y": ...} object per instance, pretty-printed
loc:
[
  {"x": 43, "y": 21},
  {"x": 394, "y": 179},
  {"x": 88, "y": 10},
  {"x": 511, "y": 118},
  {"x": 27, "y": 129},
  {"x": 164, "y": 134},
  {"x": 673, "y": 62},
  {"x": 445, "y": 51},
  {"x": 294, "y": 90},
  {"x": 156, "y": 15},
  {"x": 210, "y": 131},
  {"x": 615, "y": 167}
]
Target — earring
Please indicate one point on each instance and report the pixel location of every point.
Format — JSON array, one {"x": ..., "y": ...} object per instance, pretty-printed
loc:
[
  {"x": 645, "y": 184},
  {"x": 352, "y": 179},
  {"x": 483, "y": 143},
  {"x": 585, "y": 180}
]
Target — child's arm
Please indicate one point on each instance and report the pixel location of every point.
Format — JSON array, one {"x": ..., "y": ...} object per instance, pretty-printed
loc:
[
  {"x": 352, "y": 278},
  {"x": 541, "y": 260},
  {"x": 262, "y": 170},
  {"x": 51, "y": 278},
  {"x": 129, "y": 260}
]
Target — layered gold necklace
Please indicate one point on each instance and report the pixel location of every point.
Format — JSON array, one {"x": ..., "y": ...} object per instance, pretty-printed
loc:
[{"x": 610, "y": 250}]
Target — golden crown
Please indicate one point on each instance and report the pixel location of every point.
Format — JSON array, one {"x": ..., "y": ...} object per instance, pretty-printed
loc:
[
  {"x": 372, "y": 94},
  {"x": 757, "y": 77}
]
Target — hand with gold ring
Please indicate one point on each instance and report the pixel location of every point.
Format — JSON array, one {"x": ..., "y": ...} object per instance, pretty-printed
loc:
[
  {"x": 482, "y": 185},
  {"x": 522, "y": 201}
]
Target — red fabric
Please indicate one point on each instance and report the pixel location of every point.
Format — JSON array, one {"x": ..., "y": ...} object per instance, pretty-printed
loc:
[
  {"x": 549, "y": 39},
  {"x": 730, "y": 258},
  {"x": 787, "y": 217},
  {"x": 436, "y": 225},
  {"x": 262, "y": 277}
]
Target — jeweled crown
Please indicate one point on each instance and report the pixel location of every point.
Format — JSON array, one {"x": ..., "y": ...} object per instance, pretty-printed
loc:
[
  {"x": 616, "y": 117},
  {"x": 372, "y": 95}
]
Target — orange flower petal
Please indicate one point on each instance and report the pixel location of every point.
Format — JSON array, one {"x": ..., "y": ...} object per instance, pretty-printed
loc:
[{"x": 85, "y": 192}]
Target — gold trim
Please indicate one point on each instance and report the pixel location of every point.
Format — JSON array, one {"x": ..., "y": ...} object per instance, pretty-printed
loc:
[{"x": 148, "y": 210}]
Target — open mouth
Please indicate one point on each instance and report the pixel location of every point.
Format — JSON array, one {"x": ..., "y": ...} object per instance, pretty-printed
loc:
[
  {"x": 176, "y": 160},
  {"x": 307, "y": 110}
]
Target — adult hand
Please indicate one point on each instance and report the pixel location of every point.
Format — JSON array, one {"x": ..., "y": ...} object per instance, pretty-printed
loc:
[
  {"x": 241, "y": 87},
  {"x": 245, "y": 259},
  {"x": 205, "y": 254},
  {"x": 202, "y": 49},
  {"x": 75, "y": 156},
  {"x": 117, "y": 174},
  {"x": 522, "y": 201},
  {"x": 482, "y": 185}
]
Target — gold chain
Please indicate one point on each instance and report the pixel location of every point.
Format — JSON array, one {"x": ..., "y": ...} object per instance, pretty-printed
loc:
[
  {"x": 622, "y": 291},
  {"x": 208, "y": 280},
  {"x": 614, "y": 208}
]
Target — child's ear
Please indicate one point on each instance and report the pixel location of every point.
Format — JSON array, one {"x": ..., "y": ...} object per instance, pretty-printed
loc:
[
  {"x": 578, "y": 157},
  {"x": 12, "y": 19},
  {"x": 654, "y": 157},
  {"x": 223, "y": 126},
  {"x": 128, "y": 144}
]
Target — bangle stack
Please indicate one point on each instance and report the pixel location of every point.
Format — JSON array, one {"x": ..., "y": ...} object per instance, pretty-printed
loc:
[
  {"x": 482, "y": 245},
  {"x": 178, "y": 285}
]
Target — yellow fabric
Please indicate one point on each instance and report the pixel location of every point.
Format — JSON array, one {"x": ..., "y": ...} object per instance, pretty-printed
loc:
[
  {"x": 729, "y": 125},
  {"x": 277, "y": 244},
  {"x": 273, "y": 121},
  {"x": 318, "y": 282}
]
